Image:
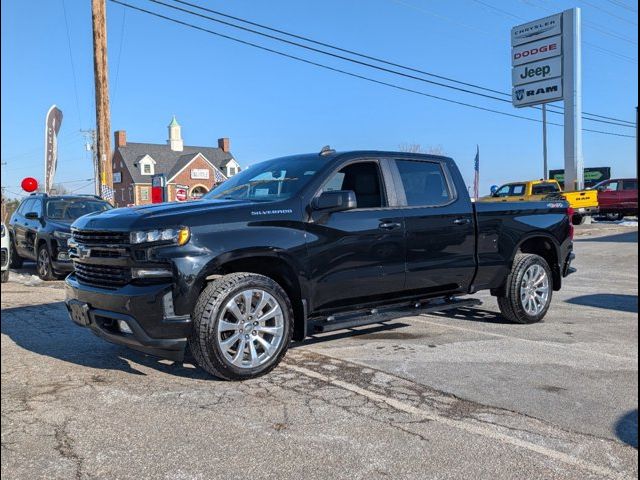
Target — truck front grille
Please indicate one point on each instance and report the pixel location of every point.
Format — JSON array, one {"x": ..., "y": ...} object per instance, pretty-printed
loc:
[
  {"x": 108, "y": 276},
  {"x": 97, "y": 237}
]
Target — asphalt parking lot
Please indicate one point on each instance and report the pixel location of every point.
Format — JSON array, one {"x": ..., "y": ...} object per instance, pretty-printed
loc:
[{"x": 460, "y": 394}]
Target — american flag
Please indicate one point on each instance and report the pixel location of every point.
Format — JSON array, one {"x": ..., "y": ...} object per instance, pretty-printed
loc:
[
  {"x": 476, "y": 176},
  {"x": 107, "y": 193},
  {"x": 219, "y": 177}
]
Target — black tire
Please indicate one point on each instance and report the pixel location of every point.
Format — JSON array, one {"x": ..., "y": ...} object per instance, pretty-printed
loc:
[
  {"x": 43, "y": 264},
  {"x": 578, "y": 219},
  {"x": 15, "y": 260},
  {"x": 510, "y": 303},
  {"x": 5, "y": 276},
  {"x": 614, "y": 217},
  {"x": 204, "y": 343}
]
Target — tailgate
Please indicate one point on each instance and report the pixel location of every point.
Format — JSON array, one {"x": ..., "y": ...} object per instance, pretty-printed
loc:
[{"x": 582, "y": 199}]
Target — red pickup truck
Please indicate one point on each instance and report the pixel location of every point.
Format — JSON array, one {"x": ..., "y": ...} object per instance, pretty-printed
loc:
[{"x": 618, "y": 197}]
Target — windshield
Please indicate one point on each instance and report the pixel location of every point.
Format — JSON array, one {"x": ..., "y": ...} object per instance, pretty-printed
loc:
[
  {"x": 72, "y": 209},
  {"x": 276, "y": 179}
]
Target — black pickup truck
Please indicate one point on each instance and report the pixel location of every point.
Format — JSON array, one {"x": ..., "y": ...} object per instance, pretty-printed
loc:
[{"x": 305, "y": 244}]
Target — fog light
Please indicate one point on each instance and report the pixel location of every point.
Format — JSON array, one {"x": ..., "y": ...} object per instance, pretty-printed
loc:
[
  {"x": 150, "y": 272},
  {"x": 63, "y": 256},
  {"x": 124, "y": 327},
  {"x": 167, "y": 303}
]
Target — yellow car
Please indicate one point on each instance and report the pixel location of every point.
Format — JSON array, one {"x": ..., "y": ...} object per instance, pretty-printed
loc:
[{"x": 583, "y": 202}]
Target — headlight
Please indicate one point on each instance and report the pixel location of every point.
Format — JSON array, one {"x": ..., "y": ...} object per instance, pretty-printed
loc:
[
  {"x": 62, "y": 235},
  {"x": 175, "y": 235}
]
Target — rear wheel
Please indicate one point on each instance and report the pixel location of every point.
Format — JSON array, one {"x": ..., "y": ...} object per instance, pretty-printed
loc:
[
  {"x": 242, "y": 326},
  {"x": 15, "y": 261},
  {"x": 5, "y": 276},
  {"x": 578, "y": 219},
  {"x": 614, "y": 217},
  {"x": 529, "y": 290}
]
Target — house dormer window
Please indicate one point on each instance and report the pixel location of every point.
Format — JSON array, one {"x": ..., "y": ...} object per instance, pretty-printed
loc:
[{"x": 147, "y": 165}]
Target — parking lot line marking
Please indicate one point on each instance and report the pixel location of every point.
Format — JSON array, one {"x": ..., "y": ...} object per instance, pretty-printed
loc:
[
  {"x": 470, "y": 428},
  {"x": 422, "y": 319}
]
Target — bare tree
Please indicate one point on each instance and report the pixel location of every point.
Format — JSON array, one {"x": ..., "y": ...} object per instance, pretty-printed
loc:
[{"x": 417, "y": 148}]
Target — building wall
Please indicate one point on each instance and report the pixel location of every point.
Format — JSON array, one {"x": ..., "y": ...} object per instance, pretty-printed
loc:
[
  {"x": 123, "y": 192},
  {"x": 184, "y": 177}
]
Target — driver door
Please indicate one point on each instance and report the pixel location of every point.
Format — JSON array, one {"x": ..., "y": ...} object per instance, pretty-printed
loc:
[{"x": 357, "y": 256}]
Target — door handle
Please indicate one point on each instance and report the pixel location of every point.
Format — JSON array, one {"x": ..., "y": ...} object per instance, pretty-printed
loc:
[
  {"x": 389, "y": 225},
  {"x": 462, "y": 221}
]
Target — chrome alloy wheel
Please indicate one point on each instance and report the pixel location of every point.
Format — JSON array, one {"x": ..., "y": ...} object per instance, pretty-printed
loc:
[
  {"x": 250, "y": 328},
  {"x": 534, "y": 290},
  {"x": 43, "y": 262}
]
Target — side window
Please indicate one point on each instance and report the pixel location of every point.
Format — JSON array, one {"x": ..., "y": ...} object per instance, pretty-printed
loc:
[
  {"x": 364, "y": 179},
  {"x": 518, "y": 190},
  {"x": 26, "y": 207},
  {"x": 503, "y": 191},
  {"x": 542, "y": 188},
  {"x": 611, "y": 187},
  {"x": 424, "y": 183},
  {"x": 37, "y": 207},
  {"x": 630, "y": 185}
]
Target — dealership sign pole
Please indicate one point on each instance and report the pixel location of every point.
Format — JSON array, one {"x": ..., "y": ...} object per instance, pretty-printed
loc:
[{"x": 546, "y": 67}]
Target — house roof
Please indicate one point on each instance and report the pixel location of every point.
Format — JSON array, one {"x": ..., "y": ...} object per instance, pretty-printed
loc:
[{"x": 168, "y": 161}]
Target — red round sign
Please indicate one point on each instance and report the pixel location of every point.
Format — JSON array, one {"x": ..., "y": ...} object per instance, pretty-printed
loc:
[
  {"x": 181, "y": 194},
  {"x": 29, "y": 184}
]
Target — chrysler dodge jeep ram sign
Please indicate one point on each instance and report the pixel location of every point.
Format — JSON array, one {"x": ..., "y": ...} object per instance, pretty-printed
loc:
[{"x": 536, "y": 58}]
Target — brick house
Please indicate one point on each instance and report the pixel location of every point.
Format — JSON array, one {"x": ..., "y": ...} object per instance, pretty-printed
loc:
[{"x": 196, "y": 168}]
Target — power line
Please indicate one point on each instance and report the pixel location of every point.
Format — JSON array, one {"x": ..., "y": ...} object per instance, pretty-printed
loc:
[
  {"x": 621, "y": 4},
  {"x": 505, "y": 13},
  {"x": 73, "y": 68},
  {"x": 362, "y": 55},
  {"x": 608, "y": 12},
  {"x": 344, "y": 72},
  {"x": 324, "y": 52},
  {"x": 122, "y": 25}
]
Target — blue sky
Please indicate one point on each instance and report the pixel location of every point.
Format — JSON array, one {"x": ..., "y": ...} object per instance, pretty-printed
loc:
[{"x": 271, "y": 106}]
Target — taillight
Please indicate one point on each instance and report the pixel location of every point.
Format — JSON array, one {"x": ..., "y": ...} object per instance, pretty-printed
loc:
[{"x": 570, "y": 212}]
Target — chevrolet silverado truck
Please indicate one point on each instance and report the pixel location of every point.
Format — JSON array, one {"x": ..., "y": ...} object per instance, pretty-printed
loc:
[
  {"x": 583, "y": 202},
  {"x": 305, "y": 244}
]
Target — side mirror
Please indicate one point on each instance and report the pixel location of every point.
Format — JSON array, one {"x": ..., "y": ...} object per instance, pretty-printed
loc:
[
  {"x": 335, "y": 201},
  {"x": 32, "y": 216}
]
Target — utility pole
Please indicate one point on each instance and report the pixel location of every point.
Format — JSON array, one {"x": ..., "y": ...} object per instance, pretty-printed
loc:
[
  {"x": 545, "y": 174},
  {"x": 103, "y": 116}
]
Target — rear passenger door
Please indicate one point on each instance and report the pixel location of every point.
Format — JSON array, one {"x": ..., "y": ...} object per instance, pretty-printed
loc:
[
  {"x": 439, "y": 224},
  {"x": 629, "y": 194},
  {"x": 20, "y": 226}
]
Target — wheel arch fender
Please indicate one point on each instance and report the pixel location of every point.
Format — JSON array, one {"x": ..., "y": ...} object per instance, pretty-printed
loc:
[{"x": 277, "y": 264}]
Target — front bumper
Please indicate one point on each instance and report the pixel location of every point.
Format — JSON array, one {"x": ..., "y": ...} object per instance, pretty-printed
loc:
[{"x": 142, "y": 308}]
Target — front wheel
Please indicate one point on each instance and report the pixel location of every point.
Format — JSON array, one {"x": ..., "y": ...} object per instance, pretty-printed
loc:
[
  {"x": 43, "y": 264},
  {"x": 529, "y": 290},
  {"x": 15, "y": 260},
  {"x": 242, "y": 326},
  {"x": 5, "y": 276}
]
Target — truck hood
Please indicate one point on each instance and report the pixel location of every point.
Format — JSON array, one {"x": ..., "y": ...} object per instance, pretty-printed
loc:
[{"x": 158, "y": 215}]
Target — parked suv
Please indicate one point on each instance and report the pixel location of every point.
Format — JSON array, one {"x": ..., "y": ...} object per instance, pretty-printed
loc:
[
  {"x": 40, "y": 227},
  {"x": 304, "y": 244}
]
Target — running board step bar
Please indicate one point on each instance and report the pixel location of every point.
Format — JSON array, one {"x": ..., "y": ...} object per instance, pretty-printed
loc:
[{"x": 385, "y": 314}]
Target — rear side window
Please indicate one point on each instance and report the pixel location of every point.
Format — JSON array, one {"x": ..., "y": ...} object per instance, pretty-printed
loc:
[
  {"x": 424, "y": 183},
  {"x": 542, "y": 188},
  {"x": 630, "y": 185}
]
